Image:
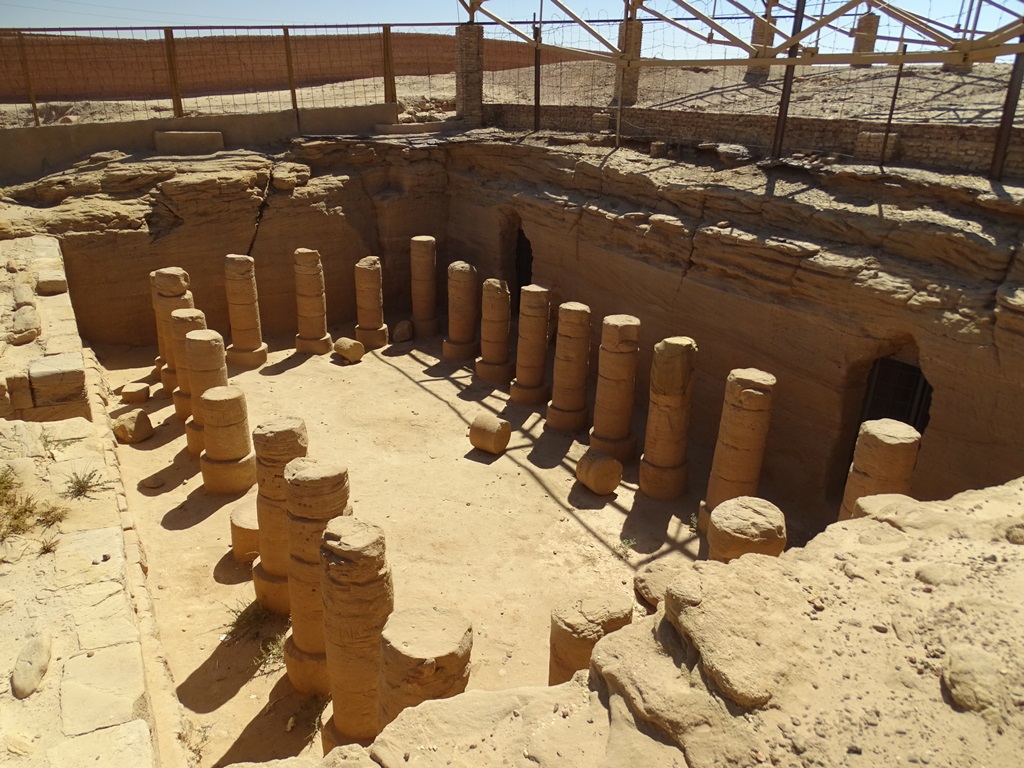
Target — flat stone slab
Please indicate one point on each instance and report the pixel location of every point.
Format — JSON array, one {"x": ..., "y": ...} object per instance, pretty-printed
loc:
[
  {"x": 100, "y": 689},
  {"x": 123, "y": 746},
  {"x": 88, "y": 557},
  {"x": 57, "y": 379},
  {"x": 102, "y": 616}
]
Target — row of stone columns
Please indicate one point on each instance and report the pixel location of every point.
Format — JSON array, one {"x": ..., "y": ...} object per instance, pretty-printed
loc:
[{"x": 346, "y": 642}]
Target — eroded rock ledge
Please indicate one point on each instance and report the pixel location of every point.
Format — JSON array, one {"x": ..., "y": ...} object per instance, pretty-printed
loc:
[{"x": 886, "y": 641}]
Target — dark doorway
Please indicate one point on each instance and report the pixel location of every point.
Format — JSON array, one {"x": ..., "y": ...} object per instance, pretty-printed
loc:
[
  {"x": 524, "y": 266},
  {"x": 897, "y": 390}
]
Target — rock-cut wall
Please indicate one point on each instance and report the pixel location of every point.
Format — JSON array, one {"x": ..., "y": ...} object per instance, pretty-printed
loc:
[{"x": 811, "y": 274}]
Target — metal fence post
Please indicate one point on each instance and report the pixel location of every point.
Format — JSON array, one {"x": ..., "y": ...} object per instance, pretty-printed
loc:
[
  {"x": 23, "y": 55},
  {"x": 536, "y": 77},
  {"x": 172, "y": 71},
  {"x": 787, "y": 84},
  {"x": 390, "y": 89},
  {"x": 291, "y": 68}
]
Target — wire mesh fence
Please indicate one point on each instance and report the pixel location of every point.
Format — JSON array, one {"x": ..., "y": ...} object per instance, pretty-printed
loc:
[{"x": 689, "y": 62}]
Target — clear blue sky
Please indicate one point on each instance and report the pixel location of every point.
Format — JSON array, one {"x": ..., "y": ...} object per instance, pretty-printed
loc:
[{"x": 80, "y": 13}]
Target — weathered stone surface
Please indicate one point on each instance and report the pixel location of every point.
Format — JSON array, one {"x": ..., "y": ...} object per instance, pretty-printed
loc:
[
  {"x": 101, "y": 688},
  {"x": 743, "y": 525},
  {"x": 403, "y": 332},
  {"x": 25, "y": 326},
  {"x": 349, "y": 350},
  {"x": 129, "y": 744},
  {"x": 133, "y": 427},
  {"x": 56, "y": 379},
  {"x": 31, "y": 666}
]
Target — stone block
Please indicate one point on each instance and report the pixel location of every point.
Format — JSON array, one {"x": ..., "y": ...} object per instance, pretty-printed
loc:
[
  {"x": 57, "y": 379},
  {"x": 126, "y": 744},
  {"x": 101, "y": 688},
  {"x": 51, "y": 282}
]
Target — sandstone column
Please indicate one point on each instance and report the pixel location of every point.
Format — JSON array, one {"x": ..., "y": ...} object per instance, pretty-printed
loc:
[
  {"x": 627, "y": 82},
  {"x": 866, "y": 35},
  {"x": 424, "y": 655},
  {"x": 171, "y": 293},
  {"x": 469, "y": 74},
  {"x": 567, "y": 411},
  {"x": 490, "y": 433},
  {"x": 883, "y": 461},
  {"x": 228, "y": 462},
  {"x": 276, "y": 442},
  {"x": 743, "y": 525},
  {"x": 247, "y": 349},
  {"x": 317, "y": 492},
  {"x": 183, "y": 322},
  {"x": 311, "y": 303},
  {"x": 423, "y": 268},
  {"x": 371, "y": 331},
  {"x": 494, "y": 366},
  {"x": 158, "y": 362},
  {"x": 616, "y": 381},
  {"x": 207, "y": 368},
  {"x": 577, "y": 625},
  {"x": 742, "y": 433},
  {"x": 663, "y": 464},
  {"x": 358, "y": 597},
  {"x": 463, "y": 293},
  {"x": 528, "y": 386}
]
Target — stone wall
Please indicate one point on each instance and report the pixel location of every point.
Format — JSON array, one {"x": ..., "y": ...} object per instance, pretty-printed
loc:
[{"x": 966, "y": 148}]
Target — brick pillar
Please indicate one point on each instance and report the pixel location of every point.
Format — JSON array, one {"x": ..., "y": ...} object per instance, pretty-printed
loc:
[
  {"x": 469, "y": 74},
  {"x": 866, "y": 35},
  {"x": 631, "y": 34},
  {"x": 763, "y": 35}
]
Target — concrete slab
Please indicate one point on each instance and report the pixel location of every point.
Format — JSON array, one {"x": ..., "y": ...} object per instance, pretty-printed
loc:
[{"x": 101, "y": 688}]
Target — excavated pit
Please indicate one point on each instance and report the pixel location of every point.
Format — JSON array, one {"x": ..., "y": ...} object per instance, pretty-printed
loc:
[{"x": 861, "y": 291}]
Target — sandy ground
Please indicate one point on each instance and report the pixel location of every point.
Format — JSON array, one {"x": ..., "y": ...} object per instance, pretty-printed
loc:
[
  {"x": 926, "y": 94},
  {"x": 500, "y": 538}
]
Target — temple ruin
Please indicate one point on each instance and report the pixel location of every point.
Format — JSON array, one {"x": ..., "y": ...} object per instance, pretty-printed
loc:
[{"x": 576, "y": 434}]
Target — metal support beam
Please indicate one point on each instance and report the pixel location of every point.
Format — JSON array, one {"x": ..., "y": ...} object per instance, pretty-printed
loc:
[
  {"x": 787, "y": 84},
  {"x": 593, "y": 32},
  {"x": 739, "y": 42},
  {"x": 291, "y": 69},
  {"x": 1006, "y": 122},
  {"x": 390, "y": 88},
  {"x": 27, "y": 74},
  {"x": 172, "y": 72},
  {"x": 819, "y": 24},
  {"x": 892, "y": 111}
]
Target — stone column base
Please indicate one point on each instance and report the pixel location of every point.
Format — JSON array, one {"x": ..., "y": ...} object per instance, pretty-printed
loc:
[
  {"x": 528, "y": 395},
  {"x": 228, "y": 477},
  {"x": 314, "y": 346},
  {"x": 566, "y": 421},
  {"x": 247, "y": 359},
  {"x": 331, "y": 737},
  {"x": 426, "y": 328},
  {"x": 182, "y": 404},
  {"x": 195, "y": 438},
  {"x": 497, "y": 374},
  {"x": 372, "y": 338},
  {"x": 459, "y": 350},
  {"x": 623, "y": 449},
  {"x": 271, "y": 590},
  {"x": 307, "y": 672},
  {"x": 663, "y": 483}
]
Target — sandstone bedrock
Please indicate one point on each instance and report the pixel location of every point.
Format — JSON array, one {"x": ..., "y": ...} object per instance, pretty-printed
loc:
[{"x": 811, "y": 273}]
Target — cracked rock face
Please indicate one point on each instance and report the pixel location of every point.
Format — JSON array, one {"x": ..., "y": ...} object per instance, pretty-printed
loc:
[{"x": 829, "y": 655}]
